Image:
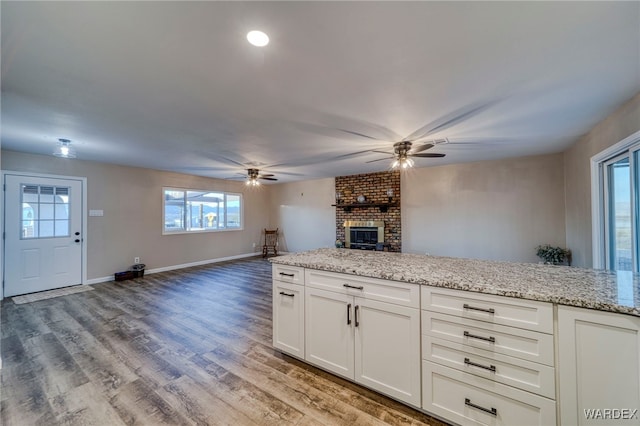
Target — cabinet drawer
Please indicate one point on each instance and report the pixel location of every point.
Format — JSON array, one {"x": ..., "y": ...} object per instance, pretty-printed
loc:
[
  {"x": 520, "y": 373},
  {"x": 398, "y": 293},
  {"x": 466, "y": 399},
  {"x": 527, "y": 314},
  {"x": 288, "y": 274},
  {"x": 525, "y": 344}
]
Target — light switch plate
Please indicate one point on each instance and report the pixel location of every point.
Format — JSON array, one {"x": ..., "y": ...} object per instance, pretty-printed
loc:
[{"x": 96, "y": 212}]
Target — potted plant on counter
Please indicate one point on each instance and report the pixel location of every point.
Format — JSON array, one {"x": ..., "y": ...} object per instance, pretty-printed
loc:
[{"x": 553, "y": 255}]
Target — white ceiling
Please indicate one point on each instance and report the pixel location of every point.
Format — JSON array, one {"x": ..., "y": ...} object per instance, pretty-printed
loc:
[{"x": 176, "y": 86}]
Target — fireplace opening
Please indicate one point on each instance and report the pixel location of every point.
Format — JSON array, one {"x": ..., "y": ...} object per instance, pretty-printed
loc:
[{"x": 364, "y": 235}]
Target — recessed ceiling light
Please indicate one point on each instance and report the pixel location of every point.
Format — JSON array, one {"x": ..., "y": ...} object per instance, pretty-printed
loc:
[{"x": 258, "y": 38}]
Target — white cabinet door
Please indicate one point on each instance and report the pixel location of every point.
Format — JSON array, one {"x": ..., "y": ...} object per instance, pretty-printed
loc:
[
  {"x": 329, "y": 331},
  {"x": 599, "y": 367},
  {"x": 387, "y": 349},
  {"x": 288, "y": 318}
]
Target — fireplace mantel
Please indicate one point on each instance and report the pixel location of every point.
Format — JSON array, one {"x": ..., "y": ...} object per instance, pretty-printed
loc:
[{"x": 382, "y": 206}]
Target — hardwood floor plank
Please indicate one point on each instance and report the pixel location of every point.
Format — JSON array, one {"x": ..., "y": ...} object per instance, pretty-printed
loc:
[
  {"x": 84, "y": 405},
  {"x": 138, "y": 404},
  {"x": 200, "y": 406},
  {"x": 57, "y": 370}
]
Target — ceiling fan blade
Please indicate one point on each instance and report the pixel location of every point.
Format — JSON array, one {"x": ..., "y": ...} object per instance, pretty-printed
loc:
[
  {"x": 236, "y": 177},
  {"x": 382, "y": 152},
  {"x": 380, "y": 159},
  {"x": 266, "y": 174},
  {"x": 266, "y": 178},
  {"x": 449, "y": 120},
  {"x": 422, "y": 148},
  {"x": 427, "y": 155},
  {"x": 361, "y": 135}
]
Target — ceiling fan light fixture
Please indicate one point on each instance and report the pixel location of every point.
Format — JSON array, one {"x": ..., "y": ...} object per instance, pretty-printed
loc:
[
  {"x": 258, "y": 38},
  {"x": 402, "y": 162},
  {"x": 64, "y": 149}
]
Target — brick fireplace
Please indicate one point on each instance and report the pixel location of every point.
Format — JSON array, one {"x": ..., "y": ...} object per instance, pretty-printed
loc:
[{"x": 374, "y": 188}]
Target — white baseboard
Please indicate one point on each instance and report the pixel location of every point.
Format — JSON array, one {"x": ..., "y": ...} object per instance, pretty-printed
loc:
[{"x": 174, "y": 267}]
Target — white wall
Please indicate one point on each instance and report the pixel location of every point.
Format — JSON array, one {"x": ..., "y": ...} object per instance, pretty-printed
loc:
[
  {"x": 132, "y": 224},
  {"x": 303, "y": 212},
  {"x": 498, "y": 210}
]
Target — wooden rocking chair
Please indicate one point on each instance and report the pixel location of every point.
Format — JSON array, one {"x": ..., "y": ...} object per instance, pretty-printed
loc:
[{"x": 270, "y": 242}]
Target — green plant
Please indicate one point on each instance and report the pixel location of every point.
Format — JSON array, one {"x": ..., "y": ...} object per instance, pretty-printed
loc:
[{"x": 553, "y": 255}]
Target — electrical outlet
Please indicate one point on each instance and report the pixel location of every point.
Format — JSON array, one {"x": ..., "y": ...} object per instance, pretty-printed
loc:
[
  {"x": 254, "y": 245},
  {"x": 136, "y": 260}
]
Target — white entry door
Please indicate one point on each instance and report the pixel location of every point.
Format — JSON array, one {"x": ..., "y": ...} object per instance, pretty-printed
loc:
[{"x": 43, "y": 233}]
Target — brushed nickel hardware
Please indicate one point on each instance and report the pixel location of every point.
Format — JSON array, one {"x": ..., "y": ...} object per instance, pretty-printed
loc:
[
  {"x": 287, "y": 294},
  {"x": 491, "y": 368},
  {"x": 357, "y": 308},
  {"x": 353, "y": 286},
  {"x": 473, "y": 308},
  {"x": 287, "y": 275},
  {"x": 475, "y": 336},
  {"x": 492, "y": 411},
  {"x": 349, "y": 314}
]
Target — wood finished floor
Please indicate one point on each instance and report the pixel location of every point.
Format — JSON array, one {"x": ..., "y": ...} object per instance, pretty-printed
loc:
[{"x": 185, "y": 347}]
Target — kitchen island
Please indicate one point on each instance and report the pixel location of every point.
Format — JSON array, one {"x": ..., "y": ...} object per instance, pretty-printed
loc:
[{"x": 493, "y": 342}]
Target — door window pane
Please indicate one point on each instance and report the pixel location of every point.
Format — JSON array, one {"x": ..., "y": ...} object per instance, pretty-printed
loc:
[
  {"x": 61, "y": 228},
  {"x": 46, "y": 228},
  {"x": 46, "y": 211}
]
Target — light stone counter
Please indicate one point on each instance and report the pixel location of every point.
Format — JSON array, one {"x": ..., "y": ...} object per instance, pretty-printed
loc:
[{"x": 585, "y": 288}]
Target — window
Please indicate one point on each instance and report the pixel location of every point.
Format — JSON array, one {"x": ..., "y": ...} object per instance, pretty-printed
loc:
[
  {"x": 200, "y": 211},
  {"x": 45, "y": 211},
  {"x": 616, "y": 202}
]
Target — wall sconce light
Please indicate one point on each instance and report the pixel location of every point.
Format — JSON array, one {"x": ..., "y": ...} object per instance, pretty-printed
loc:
[
  {"x": 338, "y": 197},
  {"x": 64, "y": 149},
  {"x": 390, "y": 194}
]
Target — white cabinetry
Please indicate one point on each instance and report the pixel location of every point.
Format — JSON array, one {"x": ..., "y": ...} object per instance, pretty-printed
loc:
[
  {"x": 366, "y": 330},
  {"x": 288, "y": 310},
  {"x": 487, "y": 359},
  {"x": 599, "y": 367}
]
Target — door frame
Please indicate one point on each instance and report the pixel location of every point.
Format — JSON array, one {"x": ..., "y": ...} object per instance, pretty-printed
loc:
[{"x": 83, "y": 216}]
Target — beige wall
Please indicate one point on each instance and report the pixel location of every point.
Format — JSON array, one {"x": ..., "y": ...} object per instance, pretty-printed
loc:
[
  {"x": 498, "y": 210},
  {"x": 132, "y": 224},
  {"x": 623, "y": 122},
  {"x": 303, "y": 212}
]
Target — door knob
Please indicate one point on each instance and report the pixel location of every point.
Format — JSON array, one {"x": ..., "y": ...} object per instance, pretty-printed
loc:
[{"x": 77, "y": 233}]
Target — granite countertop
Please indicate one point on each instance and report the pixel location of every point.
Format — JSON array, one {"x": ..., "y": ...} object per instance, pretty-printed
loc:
[{"x": 586, "y": 288}]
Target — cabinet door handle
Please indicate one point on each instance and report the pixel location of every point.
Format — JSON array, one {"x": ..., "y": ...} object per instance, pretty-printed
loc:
[
  {"x": 473, "y": 308},
  {"x": 287, "y": 275},
  {"x": 356, "y": 309},
  {"x": 349, "y": 314},
  {"x": 475, "y": 336},
  {"x": 353, "y": 286},
  {"x": 491, "y": 368},
  {"x": 492, "y": 411},
  {"x": 287, "y": 294}
]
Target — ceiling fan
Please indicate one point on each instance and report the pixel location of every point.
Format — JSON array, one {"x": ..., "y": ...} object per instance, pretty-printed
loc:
[
  {"x": 254, "y": 176},
  {"x": 403, "y": 151}
]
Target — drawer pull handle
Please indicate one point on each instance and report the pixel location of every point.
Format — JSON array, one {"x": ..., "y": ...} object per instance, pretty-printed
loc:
[
  {"x": 353, "y": 286},
  {"x": 287, "y": 275},
  {"x": 491, "y": 368},
  {"x": 473, "y": 308},
  {"x": 349, "y": 314},
  {"x": 492, "y": 411},
  {"x": 475, "y": 336},
  {"x": 356, "y": 314},
  {"x": 287, "y": 294}
]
